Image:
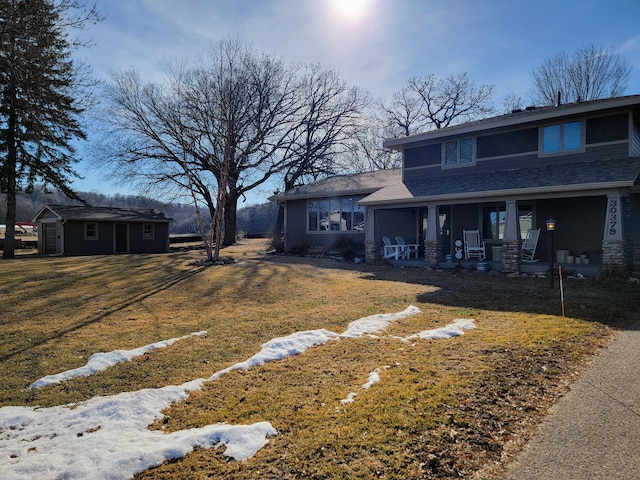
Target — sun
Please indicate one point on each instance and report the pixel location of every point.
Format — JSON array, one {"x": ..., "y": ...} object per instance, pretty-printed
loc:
[{"x": 350, "y": 9}]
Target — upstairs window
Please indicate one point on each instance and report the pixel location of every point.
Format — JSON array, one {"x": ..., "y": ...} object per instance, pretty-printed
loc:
[
  {"x": 565, "y": 137},
  {"x": 459, "y": 152}
]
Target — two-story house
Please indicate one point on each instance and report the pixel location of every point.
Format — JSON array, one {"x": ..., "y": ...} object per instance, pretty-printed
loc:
[{"x": 578, "y": 163}]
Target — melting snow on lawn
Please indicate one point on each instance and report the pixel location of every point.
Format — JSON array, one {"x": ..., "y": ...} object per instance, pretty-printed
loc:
[
  {"x": 108, "y": 437},
  {"x": 452, "y": 330},
  {"x": 101, "y": 361}
]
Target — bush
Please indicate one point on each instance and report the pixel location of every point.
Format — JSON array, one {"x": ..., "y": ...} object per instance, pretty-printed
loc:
[
  {"x": 347, "y": 247},
  {"x": 277, "y": 243},
  {"x": 611, "y": 273},
  {"x": 301, "y": 249}
]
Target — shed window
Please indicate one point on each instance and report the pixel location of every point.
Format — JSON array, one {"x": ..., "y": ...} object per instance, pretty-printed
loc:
[
  {"x": 148, "y": 231},
  {"x": 91, "y": 231}
]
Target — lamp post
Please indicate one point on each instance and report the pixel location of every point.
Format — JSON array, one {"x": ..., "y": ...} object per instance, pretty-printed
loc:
[{"x": 551, "y": 227}]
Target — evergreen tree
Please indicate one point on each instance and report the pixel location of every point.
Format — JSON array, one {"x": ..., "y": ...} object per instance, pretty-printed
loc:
[{"x": 39, "y": 108}]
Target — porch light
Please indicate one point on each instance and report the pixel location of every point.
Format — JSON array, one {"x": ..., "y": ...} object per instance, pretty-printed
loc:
[
  {"x": 551, "y": 227},
  {"x": 551, "y": 224}
]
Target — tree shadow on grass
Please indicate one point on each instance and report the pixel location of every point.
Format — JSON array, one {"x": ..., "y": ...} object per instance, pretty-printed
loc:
[{"x": 613, "y": 302}]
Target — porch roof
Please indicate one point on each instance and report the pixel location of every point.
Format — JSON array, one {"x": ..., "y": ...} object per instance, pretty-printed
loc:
[{"x": 551, "y": 178}]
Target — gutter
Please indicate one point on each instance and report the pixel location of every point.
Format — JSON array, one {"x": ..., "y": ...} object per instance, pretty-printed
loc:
[{"x": 500, "y": 193}]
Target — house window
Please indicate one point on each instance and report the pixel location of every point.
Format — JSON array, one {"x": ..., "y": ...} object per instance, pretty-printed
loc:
[
  {"x": 525, "y": 217},
  {"x": 148, "y": 231},
  {"x": 335, "y": 215},
  {"x": 566, "y": 137},
  {"x": 459, "y": 152},
  {"x": 91, "y": 231},
  {"x": 494, "y": 222}
]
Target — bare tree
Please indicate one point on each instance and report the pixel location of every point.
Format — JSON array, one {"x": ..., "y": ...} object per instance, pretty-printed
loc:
[
  {"x": 404, "y": 114},
  {"x": 225, "y": 124},
  {"x": 591, "y": 73},
  {"x": 512, "y": 102},
  {"x": 366, "y": 152},
  {"x": 428, "y": 103},
  {"x": 215, "y": 128},
  {"x": 328, "y": 117}
]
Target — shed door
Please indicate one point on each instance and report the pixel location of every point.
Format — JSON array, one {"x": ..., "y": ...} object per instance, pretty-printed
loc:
[
  {"x": 50, "y": 239},
  {"x": 121, "y": 237}
]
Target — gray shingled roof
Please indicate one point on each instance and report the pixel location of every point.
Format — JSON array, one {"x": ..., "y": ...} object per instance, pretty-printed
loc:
[
  {"x": 548, "y": 178},
  {"x": 517, "y": 117},
  {"x": 341, "y": 185},
  {"x": 83, "y": 213}
]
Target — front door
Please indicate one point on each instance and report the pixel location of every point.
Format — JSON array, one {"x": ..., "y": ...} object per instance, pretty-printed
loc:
[{"x": 121, "y": 237}]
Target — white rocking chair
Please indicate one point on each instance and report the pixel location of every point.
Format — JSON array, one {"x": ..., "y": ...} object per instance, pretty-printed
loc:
[
  {"x": 473, "y": 247},
  {"x": 529, "y": 245}
]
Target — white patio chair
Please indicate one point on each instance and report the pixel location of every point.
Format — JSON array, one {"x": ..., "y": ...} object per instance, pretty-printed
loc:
[
  {"x": 473, "y": 247},
  {"x": 529, "y": 245},
  {"x": 406, "y": 249},
  {"x": 389, "y": 250}
]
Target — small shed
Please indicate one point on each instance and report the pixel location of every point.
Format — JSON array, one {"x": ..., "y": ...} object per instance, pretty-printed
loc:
[{"x": 83, "y": 230}]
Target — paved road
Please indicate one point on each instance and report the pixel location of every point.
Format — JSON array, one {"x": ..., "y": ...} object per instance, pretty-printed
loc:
[{"x": 593, "y": 433}]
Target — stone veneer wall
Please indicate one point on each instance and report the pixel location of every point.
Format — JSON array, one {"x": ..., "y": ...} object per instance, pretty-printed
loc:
[
  {"x": 636, "y": 259},
  {"x": 432, "y": 252},
  {"x": 511, "y": 257},
  {"x": 614, "y": 252},
  {"x": 372, "y": 251}
]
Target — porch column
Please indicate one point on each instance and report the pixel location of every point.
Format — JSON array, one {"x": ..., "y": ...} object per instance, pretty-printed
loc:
[
  {"x": 613, "y": 245},
  {"x": 371, "y": 245},
  {"x": 433, "y": 241},
  {"x": 511, "y": 239}
]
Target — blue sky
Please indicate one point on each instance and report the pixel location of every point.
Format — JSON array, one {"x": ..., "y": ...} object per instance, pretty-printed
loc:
[{"x": 378, "y": 47}]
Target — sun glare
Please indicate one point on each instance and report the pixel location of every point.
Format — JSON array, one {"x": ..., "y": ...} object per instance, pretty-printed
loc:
[{"x": 350, "y": 9}]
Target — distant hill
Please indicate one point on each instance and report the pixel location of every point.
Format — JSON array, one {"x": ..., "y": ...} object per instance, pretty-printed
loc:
[{"x": 253, "y": 220}]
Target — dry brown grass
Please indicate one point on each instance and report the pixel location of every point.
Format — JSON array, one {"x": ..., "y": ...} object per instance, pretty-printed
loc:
[{"x": 443, "y": 409}]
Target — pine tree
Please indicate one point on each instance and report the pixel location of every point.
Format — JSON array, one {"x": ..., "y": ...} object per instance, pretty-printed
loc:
[{"x": 39, "y": 108}]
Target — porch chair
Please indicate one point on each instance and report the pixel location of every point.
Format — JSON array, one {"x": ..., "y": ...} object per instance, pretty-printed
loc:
[
  {"x": 406, "y": 249},
  {"x": 473, "y": 247},
  {"x": 389, "y": 250},
  {"x": 529, "y": 245}
]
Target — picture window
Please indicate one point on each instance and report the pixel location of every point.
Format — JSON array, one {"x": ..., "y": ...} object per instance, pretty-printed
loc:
[{"x": 335, "y": 215}]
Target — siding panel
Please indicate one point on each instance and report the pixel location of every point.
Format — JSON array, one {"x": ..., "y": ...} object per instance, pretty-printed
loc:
[
  {"x": 508, "y": 143},
  {"x": 422, "y": 156},
  {"x": 607, "y": 129}
]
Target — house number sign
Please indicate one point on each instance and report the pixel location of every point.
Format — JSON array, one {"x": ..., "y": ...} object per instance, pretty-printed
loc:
[
  {"x": 613, "y": 225},
  {"x": 612, "y": 214}
]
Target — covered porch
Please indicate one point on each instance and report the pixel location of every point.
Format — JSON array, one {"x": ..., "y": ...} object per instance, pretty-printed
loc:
[{"x": 589, "y": 232}]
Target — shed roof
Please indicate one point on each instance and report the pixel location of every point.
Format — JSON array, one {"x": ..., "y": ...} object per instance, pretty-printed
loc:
[{"x": 104, "y": 214}]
